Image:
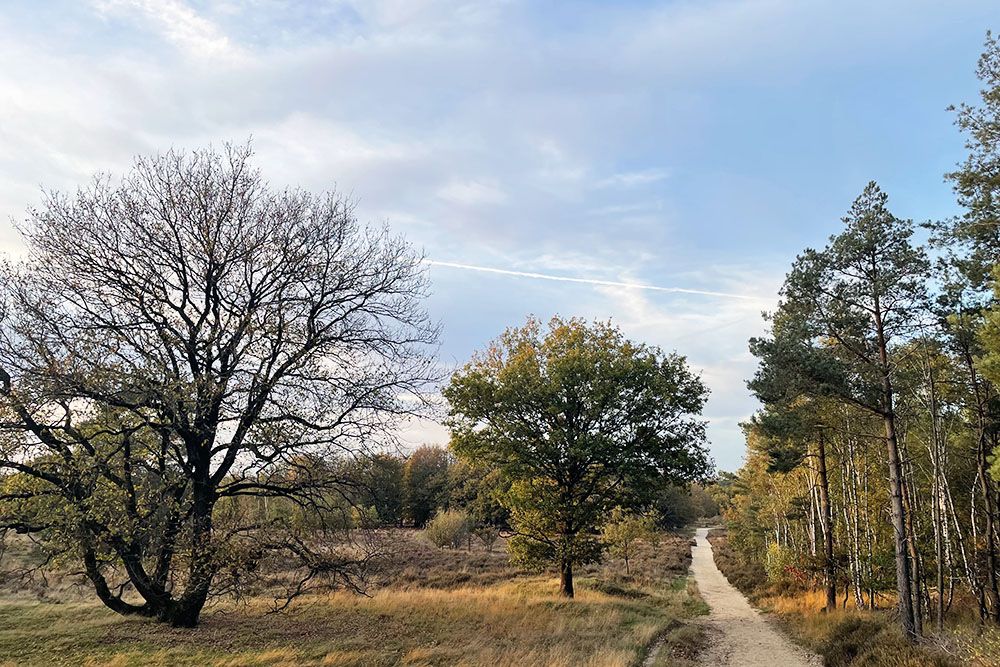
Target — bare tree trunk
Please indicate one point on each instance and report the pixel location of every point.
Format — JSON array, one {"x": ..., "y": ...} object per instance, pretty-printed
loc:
[
  {"x": 937, "y": 505},
  {"x": 939, "y": 551},
  {"x": 813, "y": 513},
  {"x": 849, "y": 486},
  {"x": 566, "y": 578},
  {"x": 916, "y": 573},
  {"x": 970, "y": 574},
  {"x": 870, "y": 542},
  {"x": 827, "y": 524},
  {"x": 991, "y": 591},
  {"x": 903, "y": 587}
]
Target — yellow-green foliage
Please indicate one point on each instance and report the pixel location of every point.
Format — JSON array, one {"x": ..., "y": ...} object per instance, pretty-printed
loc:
[
  {"x": 777, "y": 562},
  {"x": 448, "y": 528},
  {"x": 989, "y": 363},
  {"x": 623, "y": 531}
]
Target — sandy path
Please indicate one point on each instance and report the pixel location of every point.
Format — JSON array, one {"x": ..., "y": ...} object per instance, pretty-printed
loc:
[{"x": 738, "y": 634}]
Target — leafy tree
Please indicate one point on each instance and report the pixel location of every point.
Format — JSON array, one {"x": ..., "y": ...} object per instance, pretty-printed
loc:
[
  {"x": 989, "y": 335},
  {"x": 425, "y": 483},
  {"x": 677, "y": 505},
  {"x": 972, "y": 243},
  {"x": 380, "y": 485},
  {"x": 478, "y": 490},
  {"x": 843, "y": 309},
  {"x": 977, "y": 181},
  {"x": 488, "y": 534},
  {"x": 624, "y": 530},
  {"x": 183, "y": 340},
  {"x": 794, "y": 434},
  {"x": 580, "y": 420},
  {"x": 673, "y": 507}
]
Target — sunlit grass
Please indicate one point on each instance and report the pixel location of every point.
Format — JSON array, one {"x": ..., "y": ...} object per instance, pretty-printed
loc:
[{"x": 520, "y": 622}]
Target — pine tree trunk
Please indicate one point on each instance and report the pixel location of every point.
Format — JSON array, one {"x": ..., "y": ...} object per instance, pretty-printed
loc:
[
  {"x": 899, "y": 527},
  {"x": 903, "y": 583},
  {"x": 827, "y": 522}
]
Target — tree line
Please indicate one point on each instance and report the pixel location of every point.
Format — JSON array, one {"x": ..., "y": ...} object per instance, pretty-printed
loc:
[
  {"x": 872, "y": 465},
  {"x": 202, "y": 378}
]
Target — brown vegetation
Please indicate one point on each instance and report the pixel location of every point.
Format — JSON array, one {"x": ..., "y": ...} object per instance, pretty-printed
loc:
[{"x": 427, "y": 606}]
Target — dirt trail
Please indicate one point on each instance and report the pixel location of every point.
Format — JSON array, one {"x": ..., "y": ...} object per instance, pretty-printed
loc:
[{"x": 738, "y": 634}]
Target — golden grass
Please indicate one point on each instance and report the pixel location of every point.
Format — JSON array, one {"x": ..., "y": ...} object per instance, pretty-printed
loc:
[
  {"x": 851, "y": 636},
  {"x": 520, "y": 622},
  {"x": 429, "y": 607}
]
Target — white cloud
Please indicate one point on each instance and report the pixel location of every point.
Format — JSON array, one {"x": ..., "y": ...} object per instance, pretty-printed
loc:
[
  {"x": 178, "y": 23},
  {"x": 631, "y": 286},
  {"x": 630, "y": 179},
  {"x": 505, "y": 133},
  {"x": 472, "y": 193}
]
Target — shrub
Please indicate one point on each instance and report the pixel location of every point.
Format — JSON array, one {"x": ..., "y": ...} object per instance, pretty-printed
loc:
[
  {"x": 623, "y": 530},
  {"x": 448, "y": 528},
  {"x": 488, "y": 534},
  {"x": 778, "y": 563},
  {"x": 866, "y": 641},
  {"x": 745, "y": 574}
]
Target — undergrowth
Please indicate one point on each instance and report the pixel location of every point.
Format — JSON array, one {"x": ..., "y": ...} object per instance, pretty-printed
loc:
[{"x": 851, "y": 637}]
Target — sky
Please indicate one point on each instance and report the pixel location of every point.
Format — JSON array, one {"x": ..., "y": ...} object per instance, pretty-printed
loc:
[{"x": 696, "y": 146}]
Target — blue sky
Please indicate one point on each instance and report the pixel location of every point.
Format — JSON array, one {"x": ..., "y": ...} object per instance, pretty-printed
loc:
[{"x": 696, "y": 144}]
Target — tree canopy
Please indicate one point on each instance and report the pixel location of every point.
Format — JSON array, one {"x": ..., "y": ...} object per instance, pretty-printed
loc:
[
  {"x": 186, "y": 337},
  {"x": 579, "y": 420}
]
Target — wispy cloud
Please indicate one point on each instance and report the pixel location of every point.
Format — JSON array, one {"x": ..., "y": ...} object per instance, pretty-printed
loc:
[
  {"x": 597, "y": 282},
  {"x": 178, "y": 23},
  {"x": 656, "y": 144},
  {"x": 472, "y": 193},
  {"x": 628, "y": 179}
]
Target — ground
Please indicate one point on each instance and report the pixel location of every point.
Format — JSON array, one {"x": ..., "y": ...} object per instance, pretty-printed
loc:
[{"x": 438, "y": 607}]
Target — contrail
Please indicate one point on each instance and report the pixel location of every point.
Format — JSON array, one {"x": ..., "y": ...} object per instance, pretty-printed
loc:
[{"x": 591, "y": 281}]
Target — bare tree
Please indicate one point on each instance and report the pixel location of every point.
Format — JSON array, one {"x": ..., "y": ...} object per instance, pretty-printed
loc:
[{"x": 184, "y": 340}]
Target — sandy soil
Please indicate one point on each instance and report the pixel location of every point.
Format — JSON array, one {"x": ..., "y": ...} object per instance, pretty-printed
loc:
[{"x": 738, "y": 634}]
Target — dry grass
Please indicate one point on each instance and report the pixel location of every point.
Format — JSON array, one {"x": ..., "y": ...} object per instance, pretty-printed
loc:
[
  {"x": 851, "y": 638},
  {"x": 517, "y": 623},
  {"x": 475, "y": 610},
  {"x": 416, "y": 563}
]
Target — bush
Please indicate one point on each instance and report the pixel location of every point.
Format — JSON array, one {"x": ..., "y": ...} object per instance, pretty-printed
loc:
[
  {"x": 778, "y": 562},
  {"x": 747, "y": 575},
  {"x": 448, "y": 528},
  {"x": 488, "y": 534}
]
